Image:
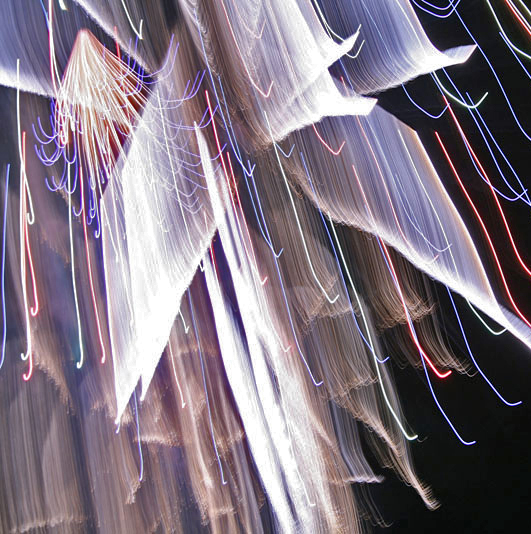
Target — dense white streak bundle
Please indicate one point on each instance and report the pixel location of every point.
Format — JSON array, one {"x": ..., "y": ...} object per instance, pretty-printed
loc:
[
  {"x": 286, "y": 66},
  {"x": 240, "y": 378},
  {"x": 239, "y": 374},
  {"x": 289, "y": 43},
  {"x": 396, "y": 48},
  {"x": 283, "y": 450},
  {"x": 156, "y": 228},
  {"x": 400, "y": 198},
  {"x": 27, "y": 42},
  {"x": 327, "y": 334}
]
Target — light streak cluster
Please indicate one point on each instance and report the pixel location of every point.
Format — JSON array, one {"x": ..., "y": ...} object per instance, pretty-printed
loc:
[{"x": 216, "y": 246}]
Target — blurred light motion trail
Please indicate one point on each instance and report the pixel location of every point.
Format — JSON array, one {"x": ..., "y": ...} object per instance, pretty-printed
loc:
[{"x": 223, "y": 247}]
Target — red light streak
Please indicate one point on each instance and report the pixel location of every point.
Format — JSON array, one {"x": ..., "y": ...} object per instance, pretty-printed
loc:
[
  {"x": 498, "y": 204},
  {"x": 483, "y": 227},
  {"x": 401, "y": 295},
  {"x": 326, "y": 145}
]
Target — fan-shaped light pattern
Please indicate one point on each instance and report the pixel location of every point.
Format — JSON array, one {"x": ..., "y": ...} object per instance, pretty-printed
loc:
[
  {"x": 98, "y": 102},
  {"x": 142, "y": 28}
]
